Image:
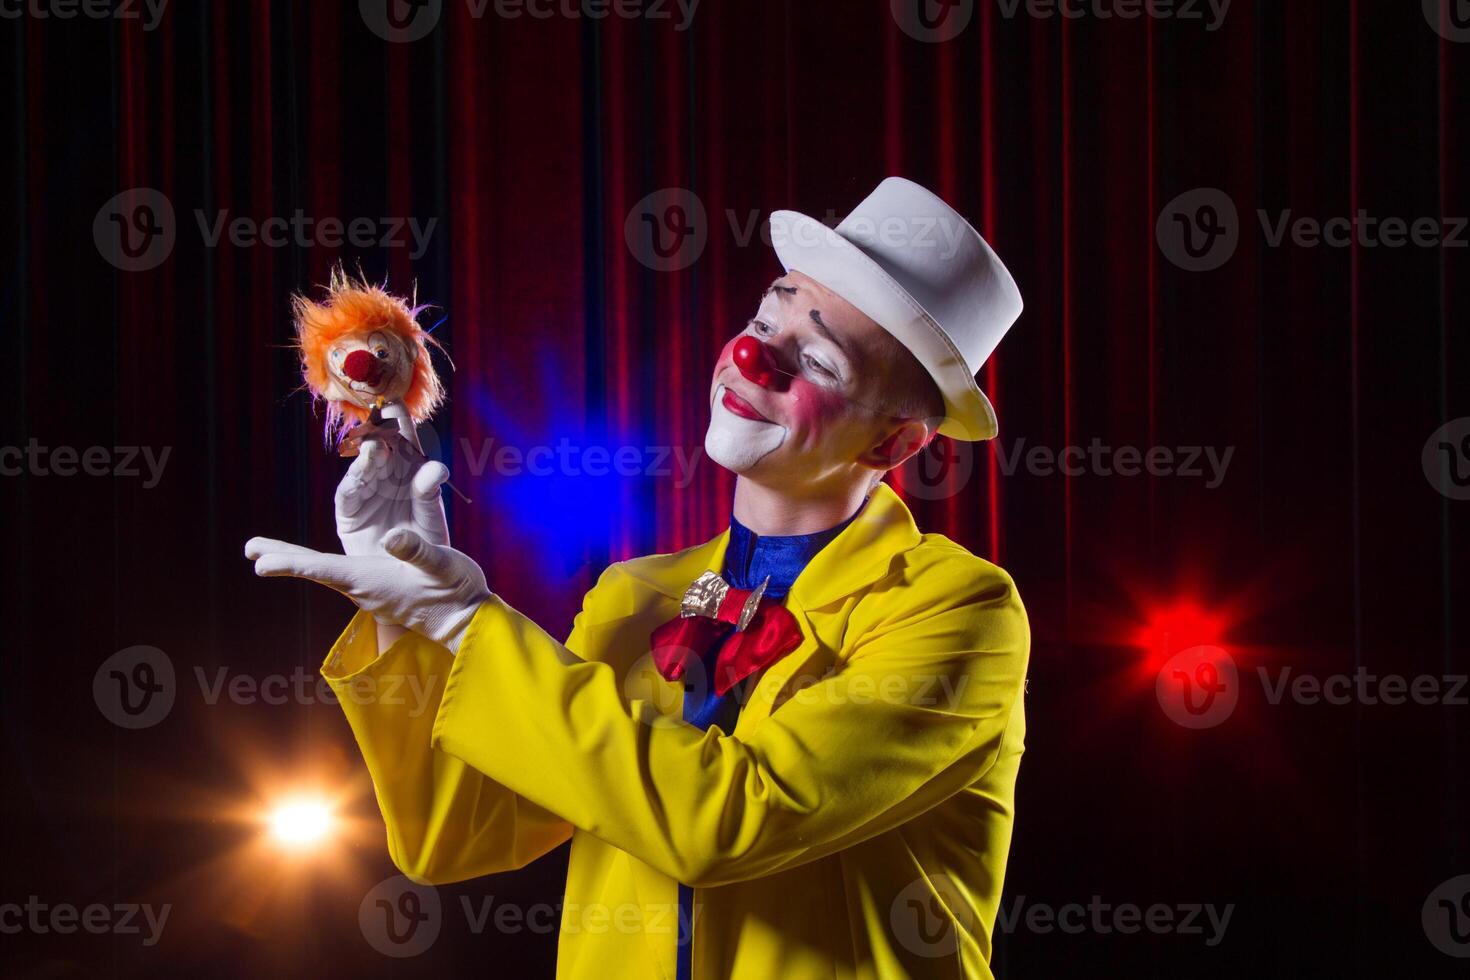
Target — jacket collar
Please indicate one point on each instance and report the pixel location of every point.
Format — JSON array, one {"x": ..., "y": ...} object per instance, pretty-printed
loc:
[{"x": 856, "y": 558}]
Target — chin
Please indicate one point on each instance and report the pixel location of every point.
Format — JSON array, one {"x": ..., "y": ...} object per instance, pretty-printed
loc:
[{"x": 739, "y": 444}]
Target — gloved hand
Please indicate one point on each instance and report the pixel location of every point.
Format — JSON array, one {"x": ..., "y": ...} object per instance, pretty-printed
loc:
[
  {"x": 389, "y": 486},
  {"x": 429, "y": 588}
]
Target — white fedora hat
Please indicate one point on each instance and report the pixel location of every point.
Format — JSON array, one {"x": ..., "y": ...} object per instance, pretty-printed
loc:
[{"x": 923, "y": 273}]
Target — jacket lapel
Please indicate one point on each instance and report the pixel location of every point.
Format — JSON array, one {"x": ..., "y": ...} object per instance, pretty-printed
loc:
[{"x": 671, "y": 575}]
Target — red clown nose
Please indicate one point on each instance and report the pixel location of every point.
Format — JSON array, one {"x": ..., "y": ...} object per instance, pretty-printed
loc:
[
  {"x": 751, "y": 358},
  {"x": 361, "y": 366}
]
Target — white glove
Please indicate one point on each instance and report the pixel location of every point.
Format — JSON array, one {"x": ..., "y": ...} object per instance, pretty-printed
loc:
[
  {"x": 429, "y": 588},
  {"x": 389, "y": 486}
]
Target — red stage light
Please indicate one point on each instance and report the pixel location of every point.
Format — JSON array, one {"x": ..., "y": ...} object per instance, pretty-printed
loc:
[{"x": 1178, "y": 626}]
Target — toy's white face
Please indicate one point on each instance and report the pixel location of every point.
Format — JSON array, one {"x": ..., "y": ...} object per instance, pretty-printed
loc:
[{"x": 367, "y": 367}]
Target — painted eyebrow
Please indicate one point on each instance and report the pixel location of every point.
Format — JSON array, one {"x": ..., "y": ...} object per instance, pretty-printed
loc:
[
  {"x": 827, "y": 332},
  {"x": 816, "y": 315}
]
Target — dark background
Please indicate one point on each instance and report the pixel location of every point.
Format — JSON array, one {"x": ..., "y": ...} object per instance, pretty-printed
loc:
[{"x": 1326, "y": 369}]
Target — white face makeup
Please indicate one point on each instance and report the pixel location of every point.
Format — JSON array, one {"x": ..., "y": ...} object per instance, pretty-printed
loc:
[
  {"x": 794, "y": 418},
  {"x": 382, "y": 369},
  {"x": 738, "y": 443}
]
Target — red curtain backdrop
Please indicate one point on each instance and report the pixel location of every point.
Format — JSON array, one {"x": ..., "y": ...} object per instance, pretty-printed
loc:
[{"x": 533, "y": 144}]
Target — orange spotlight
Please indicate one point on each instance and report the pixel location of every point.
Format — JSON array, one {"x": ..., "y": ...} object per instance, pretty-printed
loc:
[{"x": 300, "y": 823}]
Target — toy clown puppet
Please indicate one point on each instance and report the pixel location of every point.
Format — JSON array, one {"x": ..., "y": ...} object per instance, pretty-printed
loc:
[{"x": 788, "y": 752}]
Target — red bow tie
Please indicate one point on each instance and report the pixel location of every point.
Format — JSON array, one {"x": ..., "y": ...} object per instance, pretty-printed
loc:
[{"x": 765, "y": 631}]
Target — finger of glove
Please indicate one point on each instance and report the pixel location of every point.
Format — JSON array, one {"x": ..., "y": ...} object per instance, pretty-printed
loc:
[
  {"x": 427, "y": 481},
  {"x": 258, "y": 546},
  {"x": 333, "y": 571},
  {"x": 357, "y": 483},
  {"x": 411, "y": 547},
  {"x": 428, "y": 506}
]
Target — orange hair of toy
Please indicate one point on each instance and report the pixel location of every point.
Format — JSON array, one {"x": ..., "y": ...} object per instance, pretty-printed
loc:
[{"x": 356, "y": 307}]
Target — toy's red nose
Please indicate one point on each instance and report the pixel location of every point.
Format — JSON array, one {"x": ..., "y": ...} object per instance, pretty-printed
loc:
[
  {"x": 754, "y": 361},
  {"x": 361, "y": 366}
]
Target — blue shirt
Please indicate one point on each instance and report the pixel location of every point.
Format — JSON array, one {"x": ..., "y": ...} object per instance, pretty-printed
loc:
[{"x": 749, "y": 560}]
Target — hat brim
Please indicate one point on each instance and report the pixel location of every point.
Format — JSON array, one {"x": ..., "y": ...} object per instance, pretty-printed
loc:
[{"x": 804, "y": 244}]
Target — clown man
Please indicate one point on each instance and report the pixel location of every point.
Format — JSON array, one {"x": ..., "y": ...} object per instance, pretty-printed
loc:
[{"x": 788, "y": 752}]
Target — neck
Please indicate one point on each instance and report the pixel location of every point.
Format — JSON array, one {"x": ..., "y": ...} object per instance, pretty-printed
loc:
[{"x": 769, "y": 511}]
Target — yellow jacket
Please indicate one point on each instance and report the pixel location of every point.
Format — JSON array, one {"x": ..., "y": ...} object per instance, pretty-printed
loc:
[{"x": 855, "y": 824}]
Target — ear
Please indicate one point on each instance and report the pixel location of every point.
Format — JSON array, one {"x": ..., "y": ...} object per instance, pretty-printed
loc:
[{"x": 901, "y": 442}]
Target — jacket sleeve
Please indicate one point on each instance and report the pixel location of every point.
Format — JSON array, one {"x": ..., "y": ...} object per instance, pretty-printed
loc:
[
  {"x": 921, "y": 708},
  {"x": 446, "y": 822}
]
